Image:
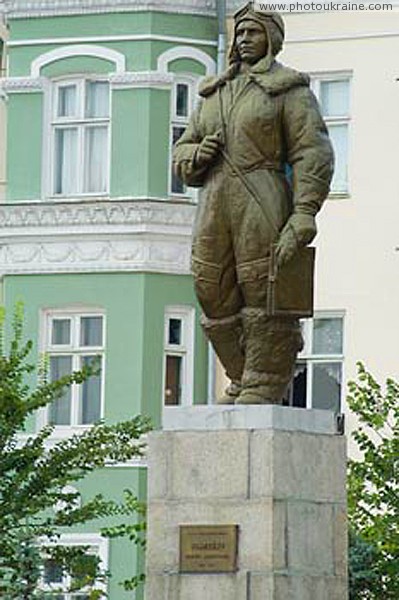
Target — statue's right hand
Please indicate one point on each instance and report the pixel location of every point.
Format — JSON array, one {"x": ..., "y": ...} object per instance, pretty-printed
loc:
[{"x": 208, "y": 149}]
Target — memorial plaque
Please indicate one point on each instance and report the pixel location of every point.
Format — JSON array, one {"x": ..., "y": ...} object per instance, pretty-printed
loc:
[{"x": 208, "y": 548}]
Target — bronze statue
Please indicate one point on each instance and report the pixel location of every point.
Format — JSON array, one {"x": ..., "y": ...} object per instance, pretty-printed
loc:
[{"x": 259, "y": 148}]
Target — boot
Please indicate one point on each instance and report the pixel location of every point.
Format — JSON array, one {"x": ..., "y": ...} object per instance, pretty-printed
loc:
[
  {"x": 225, "y": 336},
  {"x": 271, "y": 347}
]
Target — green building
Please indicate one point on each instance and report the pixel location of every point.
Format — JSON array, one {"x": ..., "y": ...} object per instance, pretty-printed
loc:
[{"x": 95, "y": 230}]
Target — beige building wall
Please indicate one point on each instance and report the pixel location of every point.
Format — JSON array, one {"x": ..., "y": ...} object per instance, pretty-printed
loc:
[{"x": 358, "y": 261}]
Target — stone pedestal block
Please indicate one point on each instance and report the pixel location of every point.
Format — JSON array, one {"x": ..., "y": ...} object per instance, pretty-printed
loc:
[{"x": 276, "y": 472}]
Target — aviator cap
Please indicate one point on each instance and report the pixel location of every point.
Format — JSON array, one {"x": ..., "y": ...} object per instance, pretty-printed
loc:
[{"x": 272, "y": 22}]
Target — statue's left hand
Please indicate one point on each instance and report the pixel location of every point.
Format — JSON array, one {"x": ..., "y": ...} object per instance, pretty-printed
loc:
[
  {"x": 287, "y": 246},
  {"x": 299, "y": 231}
]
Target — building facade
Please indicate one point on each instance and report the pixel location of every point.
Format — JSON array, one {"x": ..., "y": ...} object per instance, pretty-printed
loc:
[{"x": 95, "y": 230}]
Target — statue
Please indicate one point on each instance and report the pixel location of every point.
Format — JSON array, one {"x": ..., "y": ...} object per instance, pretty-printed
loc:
[{"x": 259, "y": 148}]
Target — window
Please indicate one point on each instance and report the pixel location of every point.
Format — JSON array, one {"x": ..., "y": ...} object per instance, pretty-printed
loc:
[
  {"x": 75, "y": 340},
  {"x": 182, "y": 104},
  {"x": 333, "y": 95},
  {"x": 178, "y": 356},
  {"x": 59, "y": 585},
  {"x": 318, "y": 376},
  {"x": 80, "y": 137}
]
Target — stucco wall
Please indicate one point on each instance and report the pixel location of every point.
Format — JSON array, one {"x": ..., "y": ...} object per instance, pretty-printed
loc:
[
  {"x": 357, "y": 261},
  {"x": 358, "y": 265}
]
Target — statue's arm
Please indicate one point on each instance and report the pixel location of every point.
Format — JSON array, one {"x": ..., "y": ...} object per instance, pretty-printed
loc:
[
  {"x": 310, "y": 155},
  {"x": 185, "y": 153}
]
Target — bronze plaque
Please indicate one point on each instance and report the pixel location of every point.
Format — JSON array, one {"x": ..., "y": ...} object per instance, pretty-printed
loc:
[{"x": 208, "y": 548}]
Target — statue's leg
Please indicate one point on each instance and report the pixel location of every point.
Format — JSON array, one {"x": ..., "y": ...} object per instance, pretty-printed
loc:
[
  {"x": 271, "y": 344},
  {"x": 221, "y": 302},
  {"x": 271, "y": 347},
  {"x": 226, "y": 338},
  {"x": 217, "y": 290}
]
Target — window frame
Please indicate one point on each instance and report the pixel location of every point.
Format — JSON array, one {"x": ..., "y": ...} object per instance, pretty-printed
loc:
[
  {"x": 81, "y": 123},
  {"x": 95, "y": 542},
  {"x": 308, "y": 358},
  {"x": 334, "y": 76},
  {"x": 186, "y": 314},
  {"x": 76, "y": 351},
  {"x": 176, "y": 120}
]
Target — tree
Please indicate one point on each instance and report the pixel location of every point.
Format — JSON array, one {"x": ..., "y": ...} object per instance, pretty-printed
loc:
[
  {"x": 34, "y": 476},
  {"x": 373, "y": 495}
]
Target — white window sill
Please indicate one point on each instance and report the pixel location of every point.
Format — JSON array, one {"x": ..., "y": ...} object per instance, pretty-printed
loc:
[
  {"x": 187, "y": 199},
  {"x": 78, "y": 197},
  {"x": 338, "y": 195},
  {"x": 63, "y": 433}
]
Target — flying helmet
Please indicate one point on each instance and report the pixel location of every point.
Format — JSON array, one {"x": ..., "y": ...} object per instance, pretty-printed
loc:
[{"x": 272, "y": 23}]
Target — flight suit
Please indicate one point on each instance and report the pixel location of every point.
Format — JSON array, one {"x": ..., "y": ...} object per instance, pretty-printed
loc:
[{"x": 270, "y": 124}]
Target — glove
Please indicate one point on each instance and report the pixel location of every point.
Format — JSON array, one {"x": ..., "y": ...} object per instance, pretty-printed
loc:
[
  {"x": 208, "y": 150},
  {"x": 298, "y": 232}
]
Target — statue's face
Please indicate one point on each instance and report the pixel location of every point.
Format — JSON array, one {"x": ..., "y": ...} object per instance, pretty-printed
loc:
[{"x": 251, "y": 40}]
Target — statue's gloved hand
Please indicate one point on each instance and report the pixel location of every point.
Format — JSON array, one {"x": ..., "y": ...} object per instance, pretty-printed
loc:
[
  {"x": 298, "y": 232},
  {"x": 208, "y": 149}
]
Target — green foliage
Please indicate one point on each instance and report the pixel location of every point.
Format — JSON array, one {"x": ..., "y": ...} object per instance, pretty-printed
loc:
[
  {"x": 133, "y": 531},
  {"x": 373, "y": 493},
  {"x": 364, "y": 579},
  {"x": 34, "y": 472}
]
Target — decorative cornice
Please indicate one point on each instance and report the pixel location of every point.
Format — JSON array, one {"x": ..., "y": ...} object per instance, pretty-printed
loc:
[
  {"x": 32, "y": 8},
  {"x": 98, "y": 236},
  {"x": 128, "y": 79},
  {"x": 127, "y": 212},
  {"x": 143, "y": 79},
  {"x": 12, "y": 85}
]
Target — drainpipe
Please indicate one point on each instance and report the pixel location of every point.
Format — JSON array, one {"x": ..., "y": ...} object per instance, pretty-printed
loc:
[{"x": 221, "y": 11}]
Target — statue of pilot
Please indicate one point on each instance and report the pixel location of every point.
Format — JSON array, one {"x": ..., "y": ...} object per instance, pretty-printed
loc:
[{"x": 258, "y": 147}]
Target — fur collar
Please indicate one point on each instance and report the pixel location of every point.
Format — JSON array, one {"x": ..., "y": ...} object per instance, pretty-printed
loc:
[{"x": 274, "y": 78}]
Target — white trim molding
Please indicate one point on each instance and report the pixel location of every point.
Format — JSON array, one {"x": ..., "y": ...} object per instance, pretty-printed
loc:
[
  {"x": 96, "y": 236},
  {"x": 78, "y": 50},
  {"x": 186, "y": 52},
  {"x": 22, "y": 8},
  {"x": 135, "y": 37},
  {"x": 18, "y": 85},
  {"x": 341, "y": 37},
  {"x": 141, "y": 79},
  {"x": 137, "y": 462},
  {"x": 99, "y": 546}
]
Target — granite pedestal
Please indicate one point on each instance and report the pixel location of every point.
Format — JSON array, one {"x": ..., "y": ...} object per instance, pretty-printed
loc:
[{"x": 276, "y": 472}]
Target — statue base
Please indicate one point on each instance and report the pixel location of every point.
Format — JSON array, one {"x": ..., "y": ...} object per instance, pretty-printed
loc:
[{"x": 278, "y": 474}]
